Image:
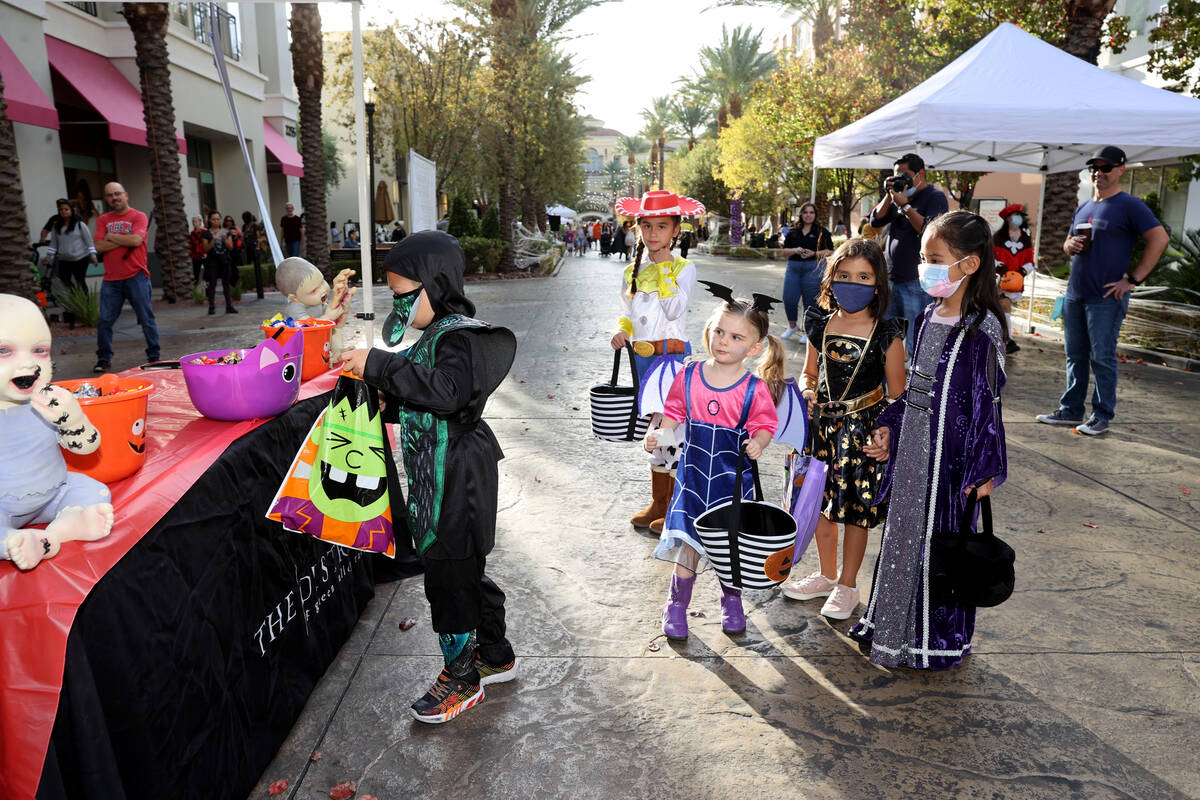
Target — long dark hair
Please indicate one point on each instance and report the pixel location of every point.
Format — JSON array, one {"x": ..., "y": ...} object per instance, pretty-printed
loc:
[
  {"x": 873, "y": 253},
  {"x": 1001, "y": 237},
  {"x": 75, "y": 218},
  {"x": 816, "y": 225},
  {"x": 967, "y": 234}
]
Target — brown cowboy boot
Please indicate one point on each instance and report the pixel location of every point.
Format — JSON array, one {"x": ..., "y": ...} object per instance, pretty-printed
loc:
[
  {"x": 660, "y": 488},
  {"x": 669, "y": 480}
]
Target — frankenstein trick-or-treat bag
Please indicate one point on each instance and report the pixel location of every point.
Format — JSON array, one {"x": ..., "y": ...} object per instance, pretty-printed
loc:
[{"x": 337, "y": 487}]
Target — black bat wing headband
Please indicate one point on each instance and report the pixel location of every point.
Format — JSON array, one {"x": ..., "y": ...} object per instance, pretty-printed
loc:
[{"x": 762, "y": 302}]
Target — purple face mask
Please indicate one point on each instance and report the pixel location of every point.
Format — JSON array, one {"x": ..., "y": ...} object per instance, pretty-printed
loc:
[{"x": 852, "y": 297}]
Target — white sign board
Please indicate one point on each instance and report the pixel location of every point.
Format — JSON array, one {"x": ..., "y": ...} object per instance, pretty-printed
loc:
[
  {"x": 989, "y": 209},
  {"x": 422, "y": 193}
]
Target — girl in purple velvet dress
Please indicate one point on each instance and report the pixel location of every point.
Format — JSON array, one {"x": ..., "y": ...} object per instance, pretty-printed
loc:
[{"x": 942, "y": 439}]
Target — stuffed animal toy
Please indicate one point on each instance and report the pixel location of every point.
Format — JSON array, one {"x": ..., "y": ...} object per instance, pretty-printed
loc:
[
  {"x": 308, "y": 295},
  {"x": 36, "y": 419}
]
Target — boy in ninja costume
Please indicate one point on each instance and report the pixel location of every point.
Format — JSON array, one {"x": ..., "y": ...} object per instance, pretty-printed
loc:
[{"x": 438, "y": 388}]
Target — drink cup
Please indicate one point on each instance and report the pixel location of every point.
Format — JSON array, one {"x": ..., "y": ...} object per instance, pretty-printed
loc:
[{"x": 1084, "y": 231}]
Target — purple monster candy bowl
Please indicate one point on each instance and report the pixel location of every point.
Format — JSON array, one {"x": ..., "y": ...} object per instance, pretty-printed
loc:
[{"x": 265, "y": 382}]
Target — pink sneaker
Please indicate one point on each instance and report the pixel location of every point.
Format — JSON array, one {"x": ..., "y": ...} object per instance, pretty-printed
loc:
[
  {"x": 815, "y": 585},
  {"x": 841, "y": 603}
]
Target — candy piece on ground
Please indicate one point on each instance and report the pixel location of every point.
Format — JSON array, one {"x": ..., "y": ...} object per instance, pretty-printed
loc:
[
  {"x": 343, "y": 791},
  {"x": 317, "y": 755},
  {"x": 407, "y": 623},
  {"x": 279, "y": 787},
  {"x": 1090, "y": 525}
]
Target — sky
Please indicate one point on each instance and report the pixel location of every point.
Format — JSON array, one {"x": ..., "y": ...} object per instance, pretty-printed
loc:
[{"x": 633, "y": 50}]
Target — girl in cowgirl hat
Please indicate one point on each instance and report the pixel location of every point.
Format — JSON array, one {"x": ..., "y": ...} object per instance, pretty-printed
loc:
[
  {"x": 654, "y": 301},
  {"x": 1014, "y": 259}
]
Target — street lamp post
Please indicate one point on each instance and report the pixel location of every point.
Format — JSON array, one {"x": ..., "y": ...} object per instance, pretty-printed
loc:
[{"x": 369, "y": 87}]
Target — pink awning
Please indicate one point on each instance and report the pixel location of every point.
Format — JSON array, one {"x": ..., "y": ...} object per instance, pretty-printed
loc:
[
  {"x": 105, "y": 89},
  {"x": 26, "y": 101},
  {"x": 278, "y": 146}
]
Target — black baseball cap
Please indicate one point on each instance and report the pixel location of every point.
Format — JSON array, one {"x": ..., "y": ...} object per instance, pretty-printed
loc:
[{"x": 1110, "y": 153}]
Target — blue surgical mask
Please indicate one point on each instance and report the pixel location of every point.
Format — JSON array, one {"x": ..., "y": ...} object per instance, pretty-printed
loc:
[
  {"x": 853, "y": 297},
  {"x": 1016, "y": 220},
  {"x": 404, "y": 311},
  {"x": 910, "y": 191}
]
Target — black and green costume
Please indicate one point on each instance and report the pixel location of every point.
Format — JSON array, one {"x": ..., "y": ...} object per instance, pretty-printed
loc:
[{"x": 437, "y": 389}]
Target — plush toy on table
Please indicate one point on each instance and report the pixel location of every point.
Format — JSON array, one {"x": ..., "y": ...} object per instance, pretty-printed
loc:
[{"x": 36, "y": 419}]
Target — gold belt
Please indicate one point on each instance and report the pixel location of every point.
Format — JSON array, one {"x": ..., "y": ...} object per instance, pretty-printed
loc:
[
  {"x": 840, "y": 408},
  {"x": 647, "y": 347}
]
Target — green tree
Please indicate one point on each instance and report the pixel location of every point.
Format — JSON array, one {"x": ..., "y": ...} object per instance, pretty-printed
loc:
[
  {"x": 631, "y": 147},
  {"x": 820, "y": 14},
  {"x": 1175, "y": 46},
  {"x": 694, "y": 174},
  {"x": 729, "y": 71},
  {"x": 658, "y": 119},
  {"x": 689, "y": 115},
  {"x": 489, "y": 226},
  {"x": 463, "y": 221}
]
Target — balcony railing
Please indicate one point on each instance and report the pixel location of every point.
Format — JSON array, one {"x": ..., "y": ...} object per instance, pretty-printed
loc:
[
  {"x": 87, "y": 8},
  {"x": 194, "y": 16}
]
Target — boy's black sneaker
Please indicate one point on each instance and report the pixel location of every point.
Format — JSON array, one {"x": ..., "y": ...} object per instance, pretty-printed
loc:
[
  {"x": 1011, "y": 347},
  {"x": 101, "y": 366},
  {"x": 446, "y": 699},
  {"x": 490, "y": 673}
]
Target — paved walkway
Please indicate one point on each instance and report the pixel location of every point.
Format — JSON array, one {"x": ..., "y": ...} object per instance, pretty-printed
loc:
[{"x": 1086, "y": 684}]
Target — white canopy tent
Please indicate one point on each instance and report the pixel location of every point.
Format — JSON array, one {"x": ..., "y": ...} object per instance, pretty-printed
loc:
[
  {"x": 559, "y": 210},
  {"x": 966, "y": 117}
]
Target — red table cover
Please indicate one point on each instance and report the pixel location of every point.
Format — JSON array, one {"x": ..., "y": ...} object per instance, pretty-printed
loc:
[{"x": 38, "y": 607}]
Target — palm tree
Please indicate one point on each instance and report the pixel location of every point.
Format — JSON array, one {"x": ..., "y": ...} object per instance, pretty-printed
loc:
[
  {"x": 308, "y": 73},
  {"x": 690, "y": 115},
  {"x": 15, "y": 276},
  {"x": 818, "y": 12},
  {"x": 730, "y": 70},
  {"x": 631, "y": 147},
  {"x": 148, "y": 24},
  {"x": 658, "y": 128},
  {"x": 1084, "y": 20}
]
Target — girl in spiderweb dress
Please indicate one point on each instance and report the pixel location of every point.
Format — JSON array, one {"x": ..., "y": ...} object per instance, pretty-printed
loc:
[
  {"x": 725, "y": 409},
  {"x": 852, "y": 354}
]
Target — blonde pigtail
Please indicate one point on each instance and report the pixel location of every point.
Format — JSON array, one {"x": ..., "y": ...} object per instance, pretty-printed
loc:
[{"x": 770, "y": 367}]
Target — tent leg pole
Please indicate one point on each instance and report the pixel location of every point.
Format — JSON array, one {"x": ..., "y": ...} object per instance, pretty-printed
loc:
[
  {"x": 1037, "y": 242},
  {"x": 812, "y": 195},
  {"x": 367, "y": 253}
]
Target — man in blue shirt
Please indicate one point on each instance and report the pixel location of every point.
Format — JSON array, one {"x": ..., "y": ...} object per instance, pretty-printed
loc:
[
  {"x": 908, "y": 211},
  {"x": 1101, "y": 245}
]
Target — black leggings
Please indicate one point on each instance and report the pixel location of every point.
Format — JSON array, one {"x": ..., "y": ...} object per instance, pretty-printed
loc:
[
  {"x": 74, "y": 273},
  {"x": 217, "y": 270},
  {"x": 461, "y": 599}
]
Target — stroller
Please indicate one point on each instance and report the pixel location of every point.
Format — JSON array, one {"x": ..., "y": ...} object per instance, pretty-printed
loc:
[{"x": 605, "y": 243}]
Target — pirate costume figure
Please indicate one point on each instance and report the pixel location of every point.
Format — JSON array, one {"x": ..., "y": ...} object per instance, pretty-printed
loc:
[
  {"x": 1014, "y": 260},
  {"x": 654, "y": 301},
  {"x": 438, "y": 388}
]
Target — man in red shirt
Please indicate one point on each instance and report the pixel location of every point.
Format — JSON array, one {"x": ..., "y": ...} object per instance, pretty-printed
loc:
[{"x": 121, "y": 242}]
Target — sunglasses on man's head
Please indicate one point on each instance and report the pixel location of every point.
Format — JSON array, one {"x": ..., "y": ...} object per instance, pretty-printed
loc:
[{"x": 1105, "y": 168}]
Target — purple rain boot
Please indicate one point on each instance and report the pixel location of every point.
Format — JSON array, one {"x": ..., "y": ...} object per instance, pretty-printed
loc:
[
  {"x": 733, "y": 619},
  {"x": 675, "y": 614}
]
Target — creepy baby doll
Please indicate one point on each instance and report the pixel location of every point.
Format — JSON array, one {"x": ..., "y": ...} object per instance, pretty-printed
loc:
[
  {"x": 307, "y": 293},
  {"x": 36, "y": 419}
]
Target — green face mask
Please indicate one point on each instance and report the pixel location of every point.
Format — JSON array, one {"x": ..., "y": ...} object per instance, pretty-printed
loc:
[{"x": 404, "y": 311}]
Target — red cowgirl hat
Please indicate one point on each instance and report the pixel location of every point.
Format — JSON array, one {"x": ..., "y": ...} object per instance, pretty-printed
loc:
[
  {"x": 1011, "y": 209},
  {"x": 659, "y": 204}
]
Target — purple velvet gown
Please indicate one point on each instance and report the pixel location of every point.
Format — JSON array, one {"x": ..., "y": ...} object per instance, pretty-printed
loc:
[{"x": 902, "y": 625}]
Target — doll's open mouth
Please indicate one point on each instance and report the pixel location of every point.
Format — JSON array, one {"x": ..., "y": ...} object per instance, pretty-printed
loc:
[{"x": 25, "y": 382}]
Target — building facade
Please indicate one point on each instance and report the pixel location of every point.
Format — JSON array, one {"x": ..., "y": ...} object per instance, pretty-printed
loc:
[{"x": 78, "y": 121}]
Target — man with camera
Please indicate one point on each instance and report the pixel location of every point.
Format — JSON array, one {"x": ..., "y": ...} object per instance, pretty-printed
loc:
[{"x": 907, "y": 205}]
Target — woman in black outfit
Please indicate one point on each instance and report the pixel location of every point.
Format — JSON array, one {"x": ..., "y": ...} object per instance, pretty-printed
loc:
[{"x": 806, "y": 244}]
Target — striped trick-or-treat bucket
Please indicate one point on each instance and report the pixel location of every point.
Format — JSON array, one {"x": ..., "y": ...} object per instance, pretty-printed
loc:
[
  {"x": 614, "y": 408},
  {"x": 749, "y": 542}
]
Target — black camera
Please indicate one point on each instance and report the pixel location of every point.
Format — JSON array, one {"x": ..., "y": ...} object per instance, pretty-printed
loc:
[{"x": 899, "y": 183}]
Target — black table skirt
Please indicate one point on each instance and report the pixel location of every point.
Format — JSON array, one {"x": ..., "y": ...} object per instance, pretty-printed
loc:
[{"x": 191, "y": 659}]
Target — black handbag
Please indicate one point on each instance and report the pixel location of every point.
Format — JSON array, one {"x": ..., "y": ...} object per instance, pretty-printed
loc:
[
  {"x": 971, "y": 569},
  {"x": 614, "y": 408}
]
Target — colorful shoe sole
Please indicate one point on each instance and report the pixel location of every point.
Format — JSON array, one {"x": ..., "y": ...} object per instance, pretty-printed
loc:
[{"x": 449, "y": 713}]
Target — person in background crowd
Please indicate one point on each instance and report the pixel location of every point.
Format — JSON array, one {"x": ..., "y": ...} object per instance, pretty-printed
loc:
[
  {"x": 398, "y": 232},
  {"x": 352, "y": 238},
  {"x": 335, "y": 236},
  {"x": 121, "y": 239},
  {"x": 1101, "y": 246},
  {"x": 219, "y": 246},
  {"x": 292, "y": 228},
  {"x": 251, "y": 231},
  {"x": 1014, "y": 259},
  {"x": 70, "y": 246},
  {"x": 908, "y": 205},
  {"x": 805, "y": 245},
  {"x": 230, "y": 224},
  {"x": 196, "y": 249}
]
